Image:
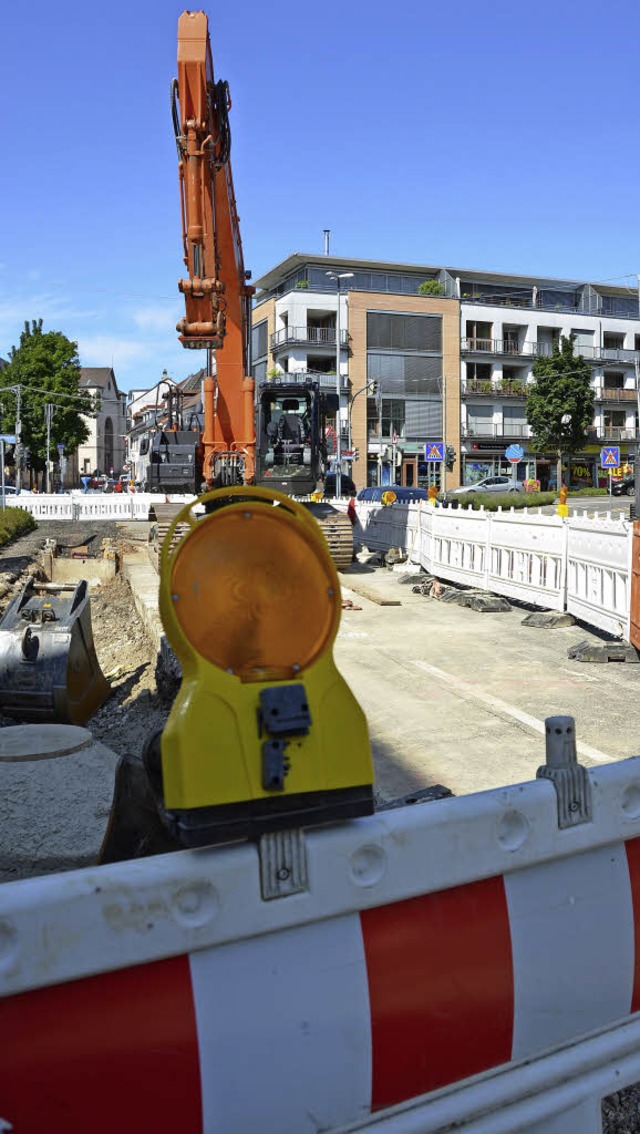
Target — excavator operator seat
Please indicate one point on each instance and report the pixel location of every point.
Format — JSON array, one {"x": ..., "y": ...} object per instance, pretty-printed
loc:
[{"x": 290, "y": 425}]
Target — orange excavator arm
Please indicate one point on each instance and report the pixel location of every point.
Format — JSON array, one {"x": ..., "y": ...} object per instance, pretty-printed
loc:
[{"x": 217, "y": 296}]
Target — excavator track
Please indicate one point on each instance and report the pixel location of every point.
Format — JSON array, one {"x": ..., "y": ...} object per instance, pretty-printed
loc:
[
  {"x": 336, "y": 528},
  {"x": 163, "y": 515}
]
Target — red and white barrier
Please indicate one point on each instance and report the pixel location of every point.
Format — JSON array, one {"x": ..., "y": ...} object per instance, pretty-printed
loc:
[{"x": 434, "y": 943}]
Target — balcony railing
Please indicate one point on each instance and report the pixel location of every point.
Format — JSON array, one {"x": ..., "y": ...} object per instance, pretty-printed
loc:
[
  {"x": 544, "y": 350},
  {"x": 495, "y": 346},
  {"x": 325, "y": 381},
  {"x": 312, "y": 336},
  {"x": 616, "y": 354},
  {"x": 615, "y": 433},
  {"x": 491, "y": 430},
  {"x": 502, "y": 389},
  {"x": 610, "y": 395}
]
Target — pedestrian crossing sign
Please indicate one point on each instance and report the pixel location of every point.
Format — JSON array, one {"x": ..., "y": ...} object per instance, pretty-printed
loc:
[
  {"x": 610, "y": 457},
  {"x": 434, "y": 451}
]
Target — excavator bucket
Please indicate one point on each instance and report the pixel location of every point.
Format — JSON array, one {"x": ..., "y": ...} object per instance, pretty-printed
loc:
[{"x": 48, "y": 665}]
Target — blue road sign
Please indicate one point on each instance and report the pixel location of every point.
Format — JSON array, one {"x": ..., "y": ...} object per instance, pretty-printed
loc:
[
  {"x": 8, "y": 438},
  {"x": 434, "y": 451},
  {"x": 610, "y": 457},
  {"x": 514, "y": 453}
]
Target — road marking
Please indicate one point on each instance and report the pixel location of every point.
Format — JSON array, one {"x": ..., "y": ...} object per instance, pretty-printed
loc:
[{"x": 472, "y": 691}]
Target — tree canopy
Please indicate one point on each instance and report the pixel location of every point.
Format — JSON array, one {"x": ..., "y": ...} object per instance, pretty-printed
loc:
[
  {"x": 561, "y": 389},
  {"x": 46, "y": 367}
]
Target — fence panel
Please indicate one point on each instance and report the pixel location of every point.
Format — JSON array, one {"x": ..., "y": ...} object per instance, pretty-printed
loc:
[
  {"x": 527, "y": 558},
  {"x": 459, "y": 546},
  {"x": 598, "y": 573}
]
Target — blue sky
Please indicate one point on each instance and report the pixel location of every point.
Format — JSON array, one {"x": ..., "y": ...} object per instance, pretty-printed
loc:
[{"x": 498, "y": 136}]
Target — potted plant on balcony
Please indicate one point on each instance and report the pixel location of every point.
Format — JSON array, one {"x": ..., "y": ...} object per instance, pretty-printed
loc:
[{"x": 430, "y": 287}]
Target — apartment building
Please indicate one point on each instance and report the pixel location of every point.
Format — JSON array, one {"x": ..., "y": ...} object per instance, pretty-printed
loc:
[{"x": 454, "y": 364}]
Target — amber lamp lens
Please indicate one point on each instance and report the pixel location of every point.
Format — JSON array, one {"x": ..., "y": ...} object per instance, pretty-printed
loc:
[{"x": 252, "y": 593}]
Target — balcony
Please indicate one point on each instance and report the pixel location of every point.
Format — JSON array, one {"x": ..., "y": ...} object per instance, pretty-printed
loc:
[
  {"x": 325, "y": 381},
  {"x": 505, "y": 430},
  {"x": 503, "y": 389},
  {"x": 616, "y": 354},
  {"x": 615, "y": 395},
  {"x": 496, "y": 346},
  {"x": 615, "y": 433},
  {"x": 307, "y": 336}
]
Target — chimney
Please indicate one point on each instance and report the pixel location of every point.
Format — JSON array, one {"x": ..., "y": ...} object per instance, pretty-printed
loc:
[{"x": 326, "y": 240}]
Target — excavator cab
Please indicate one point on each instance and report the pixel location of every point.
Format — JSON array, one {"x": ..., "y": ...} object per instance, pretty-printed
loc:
[{"x": 291, "y": 451}]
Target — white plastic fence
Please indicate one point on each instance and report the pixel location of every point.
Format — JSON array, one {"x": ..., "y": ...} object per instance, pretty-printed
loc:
[
  {"x": 93, "y": 506},
  {"x": 577, "y": 564}
]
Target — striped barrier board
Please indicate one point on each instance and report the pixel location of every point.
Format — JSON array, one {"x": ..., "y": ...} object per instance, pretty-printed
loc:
[{"x": 434, "y": 944}]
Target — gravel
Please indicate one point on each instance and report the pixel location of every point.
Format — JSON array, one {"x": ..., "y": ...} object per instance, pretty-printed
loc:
[{"x": 128, "y": 660}]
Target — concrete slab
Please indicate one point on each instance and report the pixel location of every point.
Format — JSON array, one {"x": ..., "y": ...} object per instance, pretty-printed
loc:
[
  {"x": 56, "y": 787},
  {"x": 42, "y": 741}
]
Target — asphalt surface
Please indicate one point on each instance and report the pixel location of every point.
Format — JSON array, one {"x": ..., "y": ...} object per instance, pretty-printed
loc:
[{"x": 457, "y": 697}]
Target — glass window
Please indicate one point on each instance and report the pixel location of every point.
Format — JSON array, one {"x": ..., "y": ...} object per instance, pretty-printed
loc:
[
  {"x": 259, "y": 340},
  {"x": 386, "y": 331},
  {"x": 393, "y": 410}
]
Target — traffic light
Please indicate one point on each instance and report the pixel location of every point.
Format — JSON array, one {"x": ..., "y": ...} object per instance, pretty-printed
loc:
[{"x": 450, "y": 457}]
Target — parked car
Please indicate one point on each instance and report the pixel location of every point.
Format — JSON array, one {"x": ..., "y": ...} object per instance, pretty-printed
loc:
[
  {"x": 489, "y": 484},
  {"x": 624, "y": 487},
  {"x": 347, "y": 486},
  {"x": 403, "y": 495}
]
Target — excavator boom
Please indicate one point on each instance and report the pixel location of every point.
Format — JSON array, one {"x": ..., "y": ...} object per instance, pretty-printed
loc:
[{"x": 217, "y": 296}]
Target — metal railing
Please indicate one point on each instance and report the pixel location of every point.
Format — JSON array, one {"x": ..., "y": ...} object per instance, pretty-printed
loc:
[
  {"x": 492, "y": 430},
  {"x": 325, "y": 381},
  {"x": 616, "y": 354},
  {"x": 615, "y": 433},
  {"x": 315, "y": 336},
  {"x": 504, "y": 388},
  {"x": 479, "y": 345}
]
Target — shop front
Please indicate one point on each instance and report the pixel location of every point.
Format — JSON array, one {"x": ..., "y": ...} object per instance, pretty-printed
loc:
[
  {"x": 481, "y": 459},
  {"x": 583, "y": 470}
]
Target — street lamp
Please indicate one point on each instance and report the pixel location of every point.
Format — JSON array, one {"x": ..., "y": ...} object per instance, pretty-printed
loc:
[
  {"x": 338, "y": 276},
  {"x": 371, "y": 384},
  {"x": 49, "y": 411}
]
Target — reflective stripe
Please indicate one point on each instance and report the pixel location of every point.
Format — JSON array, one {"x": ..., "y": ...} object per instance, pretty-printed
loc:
[
  {"x": 441, "y": 989},
  {"x": 572, "y": 935},
  {"x": 632, "y": 847},
  {"x": 283, "y": 1028},
  {"x": 117, "y": 1052}
]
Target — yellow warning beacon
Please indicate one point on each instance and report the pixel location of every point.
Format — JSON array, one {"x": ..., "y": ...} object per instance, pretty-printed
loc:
[{"x": 264, "y": 733}]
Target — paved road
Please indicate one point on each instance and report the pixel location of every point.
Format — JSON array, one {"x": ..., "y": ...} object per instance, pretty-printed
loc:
[{"x": 457, "y": 697}]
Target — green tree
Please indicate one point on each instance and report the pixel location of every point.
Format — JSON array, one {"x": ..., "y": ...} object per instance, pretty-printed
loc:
[
  {"x": 46, "y": 368},
  {"x": 561, "y": 389}
]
